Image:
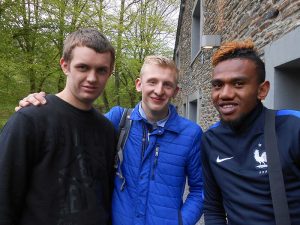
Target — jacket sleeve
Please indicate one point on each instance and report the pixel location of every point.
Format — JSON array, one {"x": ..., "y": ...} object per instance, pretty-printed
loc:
[
  {"x": 192, "y": 208},
  {"x": 15, "y": 142},
  {"x": 114, "y": 115},
  {"x": 214, "y": 213}
]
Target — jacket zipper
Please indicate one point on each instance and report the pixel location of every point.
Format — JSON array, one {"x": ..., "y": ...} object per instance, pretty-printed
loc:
[
  {"x": 155, "y": 161},
  {"x": 144, "y": 143}
]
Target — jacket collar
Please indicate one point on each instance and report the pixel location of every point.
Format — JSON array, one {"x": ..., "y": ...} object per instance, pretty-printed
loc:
[{"x": 172, "y": 123}]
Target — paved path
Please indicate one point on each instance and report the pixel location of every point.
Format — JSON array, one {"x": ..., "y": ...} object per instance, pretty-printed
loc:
[{"x": 201, "y": 221}]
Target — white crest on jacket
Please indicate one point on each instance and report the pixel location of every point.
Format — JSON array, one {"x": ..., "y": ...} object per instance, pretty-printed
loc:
[{"x": 261, "y": 159}]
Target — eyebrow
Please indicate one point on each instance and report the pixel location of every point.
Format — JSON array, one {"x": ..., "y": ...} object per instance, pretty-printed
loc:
[{"x": 243, "y": 78}]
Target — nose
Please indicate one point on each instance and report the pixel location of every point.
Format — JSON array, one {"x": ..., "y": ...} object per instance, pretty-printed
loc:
[
  {"x": 92, "y": 76},
  {"x": 159, "y": 89},
  {"x": 227, "y": 92}
]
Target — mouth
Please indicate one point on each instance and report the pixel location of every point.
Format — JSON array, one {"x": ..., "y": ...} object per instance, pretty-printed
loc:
[
  {"x": 157, "y": 100},
  {"x": 89, "y": 88},
  {"x": 227, "y": 108}
]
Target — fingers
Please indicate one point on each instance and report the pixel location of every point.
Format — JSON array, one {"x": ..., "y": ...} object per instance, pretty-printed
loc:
[
  {"x": 32, "y": 99},
  {"x": 40, "y": 97},
  {"x": 22, "y": 103},
  {"x": 17, "y": 108}
]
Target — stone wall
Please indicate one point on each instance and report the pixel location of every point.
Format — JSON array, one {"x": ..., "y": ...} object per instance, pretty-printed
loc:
[{"x": 264, "y": 21}]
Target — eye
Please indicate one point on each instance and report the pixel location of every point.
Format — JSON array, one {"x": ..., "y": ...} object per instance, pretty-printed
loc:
[
  {"x": 102, "y": 71},
  {"x": 238, "y": 83},
  {"x": 168, "y": 85},
  {"x": 82, "y": 68},
  {"x": 151, "y": 82},
  {"x": 216, "y": 84}
]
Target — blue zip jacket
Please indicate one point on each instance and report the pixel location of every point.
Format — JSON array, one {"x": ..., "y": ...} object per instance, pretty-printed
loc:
[{"x": 155, "y": 172}]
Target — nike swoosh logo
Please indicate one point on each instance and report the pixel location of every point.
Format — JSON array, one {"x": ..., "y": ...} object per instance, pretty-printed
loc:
[{"x": 224, "y": 159}]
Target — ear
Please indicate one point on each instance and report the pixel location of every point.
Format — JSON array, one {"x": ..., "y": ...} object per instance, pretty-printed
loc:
[
  {"x": 138, "y": 84},
  {"x": 263, "y": 90},
  {"x": 176, "y": 91},
  {"x": 64, "y": 66}
]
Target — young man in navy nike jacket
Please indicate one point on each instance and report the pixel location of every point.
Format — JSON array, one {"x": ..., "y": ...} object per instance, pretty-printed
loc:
[{"x": 235, "y": 165}]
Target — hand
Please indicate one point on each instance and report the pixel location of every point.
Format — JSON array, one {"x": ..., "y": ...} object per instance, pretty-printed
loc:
[{"x": 32, "y": 99}]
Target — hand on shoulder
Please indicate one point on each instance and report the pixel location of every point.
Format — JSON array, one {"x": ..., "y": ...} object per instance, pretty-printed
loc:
[{"x": 32, "y": 99}]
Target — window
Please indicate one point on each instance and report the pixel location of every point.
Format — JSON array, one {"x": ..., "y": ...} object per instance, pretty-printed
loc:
[
  {"x": 191, "y": 107},
  {"x": 193, "y": 110},
  {"x": 196, "y": 31},
  {"x": 282, "y": 61}
]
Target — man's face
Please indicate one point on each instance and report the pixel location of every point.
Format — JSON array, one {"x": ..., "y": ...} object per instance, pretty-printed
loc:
[
  {"x": 87, "y": 74},
  {"x": 235, "y": 89},
  {"x": 158, "y": 85}
]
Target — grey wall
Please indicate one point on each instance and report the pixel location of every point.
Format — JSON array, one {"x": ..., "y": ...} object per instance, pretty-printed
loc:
[
  {"x": 282, "y": 58},
  {"x": 274, "y": 27}
]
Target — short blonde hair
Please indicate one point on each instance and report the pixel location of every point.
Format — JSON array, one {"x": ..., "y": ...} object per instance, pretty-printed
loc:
[{"x": 161, "y": 61}]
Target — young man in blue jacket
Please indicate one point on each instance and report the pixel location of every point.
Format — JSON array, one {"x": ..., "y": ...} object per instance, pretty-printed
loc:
[
  {"x": 161, "y": 152},
  {"x": 235, "y": 165}
]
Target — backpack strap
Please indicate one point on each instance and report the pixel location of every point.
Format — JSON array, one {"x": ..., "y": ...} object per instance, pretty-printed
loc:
[
  {"x": 277, "y": 188},
  {"x": 124, "y": 128}
]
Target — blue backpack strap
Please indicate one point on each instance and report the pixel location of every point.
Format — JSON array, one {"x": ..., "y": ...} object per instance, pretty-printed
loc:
[{"x": 124, "y": 128}]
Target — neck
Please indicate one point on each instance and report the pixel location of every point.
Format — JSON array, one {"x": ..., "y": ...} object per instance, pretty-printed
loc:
[
  {"x": 72, "y": 100},
  {"x": 154, "y": 116}
]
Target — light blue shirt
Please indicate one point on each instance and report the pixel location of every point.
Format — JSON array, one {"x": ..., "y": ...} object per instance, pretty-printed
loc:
[{"x": 160, "y": 123}]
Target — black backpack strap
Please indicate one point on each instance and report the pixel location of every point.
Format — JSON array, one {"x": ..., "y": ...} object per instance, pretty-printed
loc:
[
  {"x": 279, "y": 200},
  {"x": 124, "y": 128}
]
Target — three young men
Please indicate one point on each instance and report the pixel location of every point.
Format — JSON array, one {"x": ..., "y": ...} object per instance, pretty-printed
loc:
[
  {"x": 235, "y": 163},
  {"x": 56, "y": 161}
]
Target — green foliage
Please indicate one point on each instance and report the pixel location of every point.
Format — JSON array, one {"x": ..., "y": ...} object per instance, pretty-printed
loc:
[{"x": 32, "y": 35}]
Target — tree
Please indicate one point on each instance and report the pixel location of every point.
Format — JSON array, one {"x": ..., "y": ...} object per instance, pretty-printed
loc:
[{"x": 32, "y": 34}]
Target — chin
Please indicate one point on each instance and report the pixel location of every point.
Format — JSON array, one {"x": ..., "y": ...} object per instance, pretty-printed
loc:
[
  {"x": 233, "y": 122},
  {"x": 156, "y": 110}
]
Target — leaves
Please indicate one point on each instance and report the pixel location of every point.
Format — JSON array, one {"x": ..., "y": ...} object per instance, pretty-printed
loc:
[{"x": 32, "y": 34}]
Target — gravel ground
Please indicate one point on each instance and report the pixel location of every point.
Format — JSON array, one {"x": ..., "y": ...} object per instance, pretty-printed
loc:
[{"x": 201, "y": 221}]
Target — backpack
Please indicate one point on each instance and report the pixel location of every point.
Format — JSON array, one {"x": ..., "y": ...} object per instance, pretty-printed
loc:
[{"x": 124, "y": 128}]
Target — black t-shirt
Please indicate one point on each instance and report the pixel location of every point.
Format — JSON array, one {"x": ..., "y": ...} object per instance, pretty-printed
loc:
[{"x": 56, "y": 166}]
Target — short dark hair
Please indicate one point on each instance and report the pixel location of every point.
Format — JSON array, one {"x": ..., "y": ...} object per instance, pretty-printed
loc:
[
  {"x": 243, "y": 50},
  {"x": 88, "y": 37}
]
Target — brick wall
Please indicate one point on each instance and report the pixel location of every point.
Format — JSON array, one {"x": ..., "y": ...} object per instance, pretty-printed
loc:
[{"x": 262, "y": 20}]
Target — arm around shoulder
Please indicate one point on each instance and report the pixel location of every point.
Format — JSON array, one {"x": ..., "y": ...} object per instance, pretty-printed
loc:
[{"x": 114, "y": 115}]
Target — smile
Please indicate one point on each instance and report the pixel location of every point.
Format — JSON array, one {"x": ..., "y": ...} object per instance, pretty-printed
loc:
[
  {"x": 157, "y": 99},
  {"x": 227, "y": 108}
]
